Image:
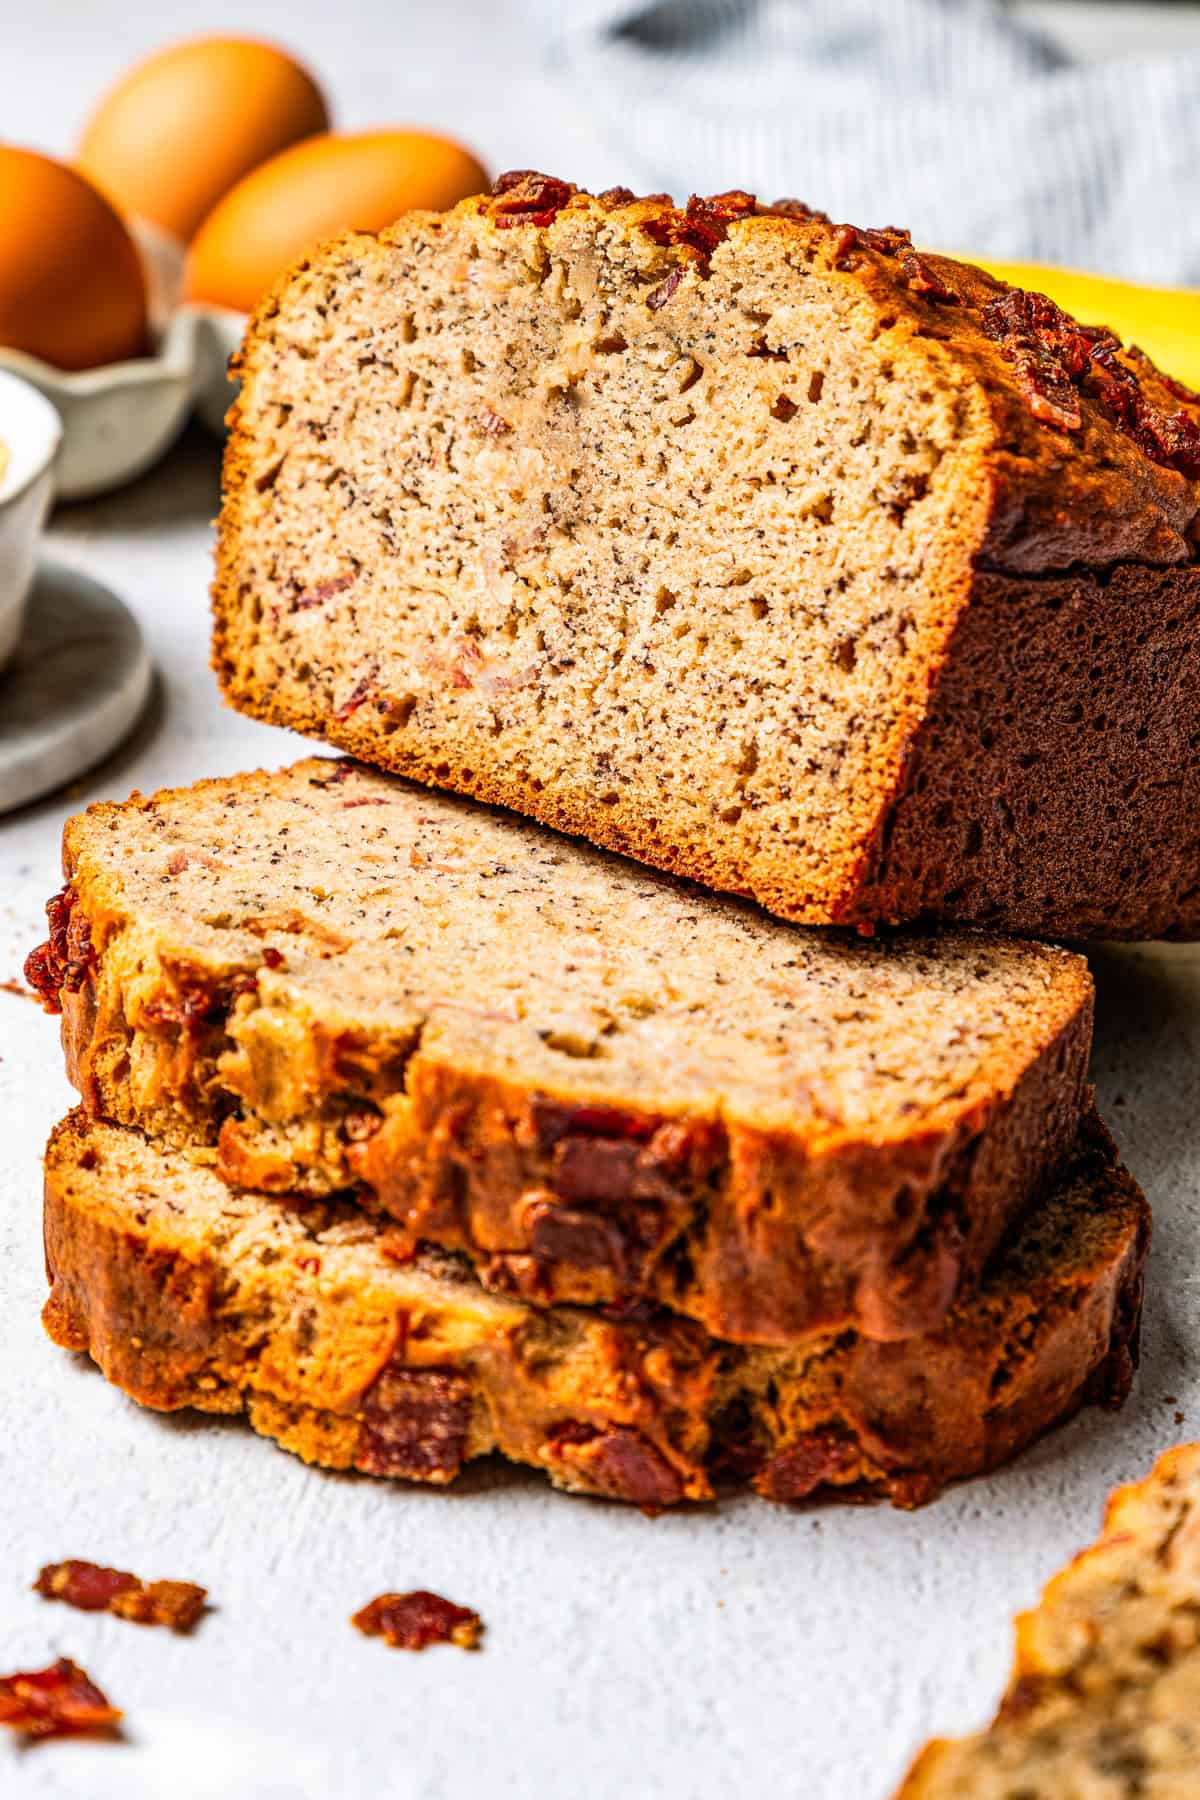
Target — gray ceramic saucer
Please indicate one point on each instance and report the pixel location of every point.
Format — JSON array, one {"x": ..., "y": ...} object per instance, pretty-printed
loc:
[{"x": 74, "y": 689}]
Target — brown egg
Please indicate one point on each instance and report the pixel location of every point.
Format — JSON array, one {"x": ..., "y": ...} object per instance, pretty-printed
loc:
[
  {"x": 180, "y": 129},
  {"x": 313, "y": 191},
  {"x": 72, "y": 289}
]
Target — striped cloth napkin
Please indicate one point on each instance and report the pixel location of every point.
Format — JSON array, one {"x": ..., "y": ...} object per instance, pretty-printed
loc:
[{"x": 948, "y": 116}]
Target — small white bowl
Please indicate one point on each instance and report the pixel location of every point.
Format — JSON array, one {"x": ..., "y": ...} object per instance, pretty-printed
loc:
[{"x": 32, "y": 433}]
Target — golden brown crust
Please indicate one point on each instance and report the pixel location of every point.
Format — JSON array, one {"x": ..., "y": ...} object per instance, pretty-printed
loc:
[
  {"x": 762, "y": 1226},
  {"x": 1089, "y": 496},
  {"x": 1088, "y": 505},
  {"x": 188, "y": 1294}
]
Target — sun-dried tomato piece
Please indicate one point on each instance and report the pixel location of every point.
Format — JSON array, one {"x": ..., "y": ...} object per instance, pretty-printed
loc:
[
  {"x": 845, "y": 243},
  {"x": 788, "y": 207},
  {"x": 60, "y": 1701},
  {"x": 514, "y": 178},
  {"x": 414, "y": 1621},
  {"x": 525, "y": 197},
  {"x": 360, "y": 692},
  {"x": 414, "y": 1423},
  {"x": 657, "y": 298},
  {"x": 886, "y": 240},
  {"x": 195, "y": 1002},
  {"x": 895, "y": 242},
  {"x": 1172, "y": 439},
  {"x": 1033, "y": 321},
  {"x": 703, "y": 223},
  {"x": 1115, "y": 387},
  {"x": 582, "y": 1240},
  {"x": 92, "y": 1588},
  {"x": 325, "y": 590},
  {"x": 923, "y": 279},
  {"x": 618, "y": 1462},
  {"x": 1055, "y": 360},
  {"x": 596, "y": 1168},
  {"x": 42, "y": 974},
  {"x": 1048, "y": 353},
  {"x": 1049, "y": 392},
  {"x": 808, "y": 1463},
  {"x": 83, "y": 1584},
  {"x": 553, "y": 1120},
  {"x": 63, "y": 963},
  {"x": 615, "y": 197}
]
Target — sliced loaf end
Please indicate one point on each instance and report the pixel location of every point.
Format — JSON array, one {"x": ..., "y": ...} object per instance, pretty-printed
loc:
[{"x": 1104, "y": 1697}]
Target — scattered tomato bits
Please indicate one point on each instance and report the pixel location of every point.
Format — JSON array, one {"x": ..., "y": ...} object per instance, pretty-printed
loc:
[
  {"x": 414, "y": 1621},
  {"x": 90, "y": 1588},
  {"x": 61, "y": 1701}
]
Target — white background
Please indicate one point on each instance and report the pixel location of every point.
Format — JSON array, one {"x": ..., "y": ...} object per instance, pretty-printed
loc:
[{"x": 741, "y": 1651}]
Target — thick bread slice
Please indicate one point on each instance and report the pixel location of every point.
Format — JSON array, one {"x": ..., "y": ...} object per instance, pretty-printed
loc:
[
  {"x": 1104, "y": 1698},
  {"x": 600, "y": 1084},
  {"x": 765, "y": 551},
  {"x": 187, "y": 1292}
]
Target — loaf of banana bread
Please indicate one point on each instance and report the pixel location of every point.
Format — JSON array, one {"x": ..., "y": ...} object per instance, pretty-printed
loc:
[
  {"x": 1104, "y": 1700},
  {"x": 355, "y": 1353},
  {"x": 765, "y": 550},
  {"x": 599, "y": 1084}
]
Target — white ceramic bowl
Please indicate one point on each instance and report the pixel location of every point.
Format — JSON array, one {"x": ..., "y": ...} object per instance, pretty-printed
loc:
[{"x": 31, "y": 433}]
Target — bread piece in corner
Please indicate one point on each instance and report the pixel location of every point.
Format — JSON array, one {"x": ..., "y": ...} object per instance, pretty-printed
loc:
[
  {"x": 767, "y": 551},
  {"x": 1104, "y": 1698},
  {"x": 188, "y": 1293},
  {"x": 599, "y": 1084}
]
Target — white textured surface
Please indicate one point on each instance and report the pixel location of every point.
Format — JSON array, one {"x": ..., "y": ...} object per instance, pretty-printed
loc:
[{"x": 749, "y": 1651}]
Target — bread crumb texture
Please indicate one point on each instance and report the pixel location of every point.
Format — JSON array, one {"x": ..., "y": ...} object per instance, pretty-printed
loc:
[
  {"x": 771, "y": 552},
  {"x": 189, "y": 1293},
  {"x": 599, "y": 1083},
  {"x": 1104, "y": 1698}
]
